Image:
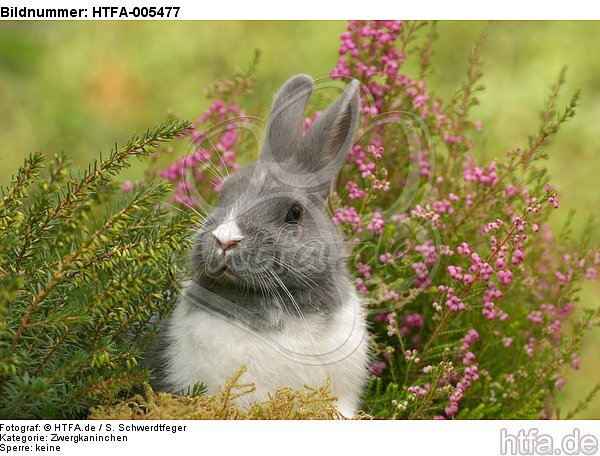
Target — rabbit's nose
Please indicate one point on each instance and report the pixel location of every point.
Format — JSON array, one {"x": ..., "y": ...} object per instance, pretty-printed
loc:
[
  {"x": 228, "y": 235},
  {"x": 227, "y": 245}
]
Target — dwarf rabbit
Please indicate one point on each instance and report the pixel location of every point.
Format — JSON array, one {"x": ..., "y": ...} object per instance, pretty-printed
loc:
[{"x": 268, "y": 286}]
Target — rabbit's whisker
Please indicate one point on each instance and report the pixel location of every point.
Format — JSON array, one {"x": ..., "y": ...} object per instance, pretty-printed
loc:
[
  {"x": 300, "y": 313},
  {"x": 299, "y": 275},
  {"x": 202, "y": 217},
  {"x": 216, "y": 149}
]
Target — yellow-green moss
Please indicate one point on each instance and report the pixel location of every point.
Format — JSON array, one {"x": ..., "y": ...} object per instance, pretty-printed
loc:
[{"x": 285, "y": 404}]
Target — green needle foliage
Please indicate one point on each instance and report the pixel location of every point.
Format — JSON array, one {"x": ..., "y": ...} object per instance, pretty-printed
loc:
[{"x": 83, "y": 268}]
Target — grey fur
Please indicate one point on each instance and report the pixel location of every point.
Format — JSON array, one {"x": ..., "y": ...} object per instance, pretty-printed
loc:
[
  {"x": 284, "y": 129},
  {"x": 279, "y": 270},
  {"x": 301, "y": 265}
]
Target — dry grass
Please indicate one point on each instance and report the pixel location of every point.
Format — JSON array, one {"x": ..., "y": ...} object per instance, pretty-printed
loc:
[{"x": 286, "y": 404}]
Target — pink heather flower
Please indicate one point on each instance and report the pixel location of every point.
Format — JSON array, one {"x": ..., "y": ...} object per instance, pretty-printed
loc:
[
  {"x": 450, "y": 411},
  {"x": 485, "y": 271},
  {"x": 423, "y": 164},
  {"x": 476, "y": 259},
  {"x": 510, "y": 191},
  {"x": 442, "y": 207},
  {"x": 470, "y": 337},
  {"x": 399, "y": 217},
  {"x": 468, "y": 358},
  {"x": 450, "y": 139},
  {"x": 471, "y": 374},
  {"x": 412, "y": 356},
  {"x": 473, "y": 334},
  {"x": 428, "y": 251},
  {"x": 535, "y": 317},
  {"x": 376, "y": 152},
  {"x": 530, "y": 346},
  {"x": 381, "y": 184},
  {"x": 419, "y": 391},
  {"x": 575, "y": 361},
  {"x": 392, "y": 295},
  {"x": 463, "y": 248},
  {"x": 414, "y": 320},
  {"x": 454, "y": 198},
  {"x": 184, "y": 200},
  {"x": 517, "y": 257},
  {"x": 559, "y": 383},
  {"x": 507, "y": 341},
  {"x": 455, "y": 304},
  {"x": 382, "y": 316},
  {"x": 455, "y": 272},
  {"x": 472, "y": 173},
  {"x": 386, "y": 258},
  {"x": 127, "y": 186},
  {"x": 489, "y": 307},
  {"x": 566, "y": 309},
  {"x": 364, "y": 270},
  {"x": 308, "y": 121},
  {"x": 392, "y": 330},
  {"x": 360, "y": 284},
  {"x": 348, "y": 214},
  {"x": 422, "y": 274},
  {"x": 354, "y": 192},
  {"x": 376, "y": 224},
  {"x": 505, "y": 276},
  {"x": 198, "y": 162},
  {"x": 591, "y": 274},
  {"x": 368, "y": 53},
  {"x": 377, "y": 368},
  {"x": 554, "y": 326},
  {"x": 425, "y": 213}
]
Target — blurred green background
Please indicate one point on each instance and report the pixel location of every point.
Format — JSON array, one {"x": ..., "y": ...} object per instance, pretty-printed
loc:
[{"x": 81, "y": 86}]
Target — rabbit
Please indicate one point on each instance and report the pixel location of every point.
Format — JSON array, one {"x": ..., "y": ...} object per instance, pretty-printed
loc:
[{"x": 268, "y": 284}]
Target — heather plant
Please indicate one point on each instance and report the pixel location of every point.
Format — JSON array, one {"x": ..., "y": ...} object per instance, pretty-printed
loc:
[
  {"x": 472, "y": 298},
  {"x": 83, "y": 269}
]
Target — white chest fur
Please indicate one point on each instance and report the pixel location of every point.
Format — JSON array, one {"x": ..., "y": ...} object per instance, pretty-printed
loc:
[{"x": 207, "y": 347}]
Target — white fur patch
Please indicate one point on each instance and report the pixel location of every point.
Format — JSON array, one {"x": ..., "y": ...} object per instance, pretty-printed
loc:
[
  {"x": 227, "y": 232},
  {"x": 263, "y": 175},
  {"x": 207, "y": 347}
]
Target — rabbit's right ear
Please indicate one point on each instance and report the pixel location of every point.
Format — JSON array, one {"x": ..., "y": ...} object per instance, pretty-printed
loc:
[{"x": 286, "y": 120}]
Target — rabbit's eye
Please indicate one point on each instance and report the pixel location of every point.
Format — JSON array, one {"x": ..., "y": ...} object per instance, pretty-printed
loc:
[{"x": 294, "y": 214}]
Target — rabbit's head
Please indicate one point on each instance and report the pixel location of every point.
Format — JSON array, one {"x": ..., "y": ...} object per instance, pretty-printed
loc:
[{"x": 271, "y": 227}]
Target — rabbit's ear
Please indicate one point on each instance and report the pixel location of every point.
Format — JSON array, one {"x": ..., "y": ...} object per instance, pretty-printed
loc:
[
  {"x": 329, "y": 139},
  {"x": 286, "y": 120}
]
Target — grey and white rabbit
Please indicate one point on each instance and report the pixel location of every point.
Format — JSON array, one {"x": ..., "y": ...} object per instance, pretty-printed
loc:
[{"x": 269, "y": 287}]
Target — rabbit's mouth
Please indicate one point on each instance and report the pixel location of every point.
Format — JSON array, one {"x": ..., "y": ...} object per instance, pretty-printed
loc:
[{"x": 229, "y": 273}]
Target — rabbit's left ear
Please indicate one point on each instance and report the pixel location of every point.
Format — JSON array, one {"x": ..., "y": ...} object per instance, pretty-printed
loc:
[
  {"x": 329, "y": 139},
  {"x": 286, "y": 120}
]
